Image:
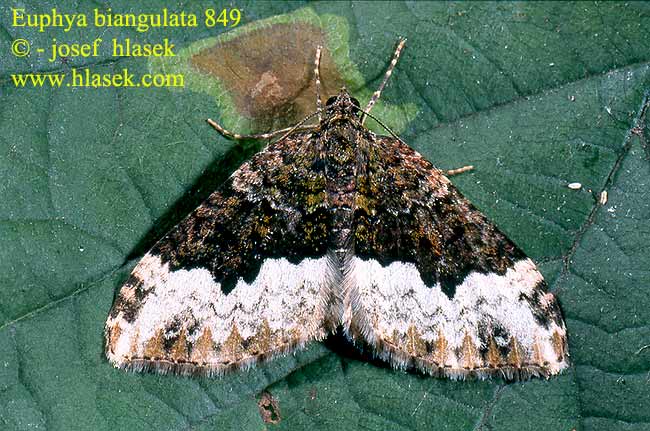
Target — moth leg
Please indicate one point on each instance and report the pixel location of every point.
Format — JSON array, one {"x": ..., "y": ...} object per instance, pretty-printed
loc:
[
  {"x": 236, "y": 136},
  {"x": 377, "y": 94},
  {"x": 461, "y": 170},
  {"x": 319, "y": 102}
]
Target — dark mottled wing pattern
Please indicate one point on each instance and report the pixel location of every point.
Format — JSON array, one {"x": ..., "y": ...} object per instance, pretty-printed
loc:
[
  {"x": 206, "y": 297},
  {"x": 408, "y": 211},
  {"x": 435, "y": 284},
  {"x": 273, "y": 206}
]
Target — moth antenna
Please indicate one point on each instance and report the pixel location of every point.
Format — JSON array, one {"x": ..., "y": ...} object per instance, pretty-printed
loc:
[
  {"x": 236, "y": 136},
  {"x": 319, "y": 101},
  {"x": 388, "y": 129},
  {"x": 299, "y": 126},
  {"x": 389, "y": 72}
]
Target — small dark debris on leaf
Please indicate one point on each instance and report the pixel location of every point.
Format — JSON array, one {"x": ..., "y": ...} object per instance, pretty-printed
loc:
[
  {"x": 637, "y": 130},
  {"x": 269, "y": 408}
]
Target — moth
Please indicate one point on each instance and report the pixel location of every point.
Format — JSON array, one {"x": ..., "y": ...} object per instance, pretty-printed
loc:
[{"x": 333, "y": 226}]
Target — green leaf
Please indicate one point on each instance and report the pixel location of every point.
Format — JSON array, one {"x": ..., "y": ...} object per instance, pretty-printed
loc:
[{"x": 534, "y": 95}]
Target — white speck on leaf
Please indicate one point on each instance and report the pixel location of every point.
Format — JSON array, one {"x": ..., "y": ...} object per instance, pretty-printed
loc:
[{"x": 575, "y": 186}]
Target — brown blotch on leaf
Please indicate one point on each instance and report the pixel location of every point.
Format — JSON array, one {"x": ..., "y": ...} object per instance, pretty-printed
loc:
[
  {"x": 269, "y": 408},
  {"x": 269, "y": 72}
]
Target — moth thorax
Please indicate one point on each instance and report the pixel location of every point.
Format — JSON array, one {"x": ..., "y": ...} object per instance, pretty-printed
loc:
[{"x": 341, "y": 143}]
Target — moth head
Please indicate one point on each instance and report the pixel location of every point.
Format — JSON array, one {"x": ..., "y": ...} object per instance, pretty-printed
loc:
[{"x": 342, "y": 104}]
